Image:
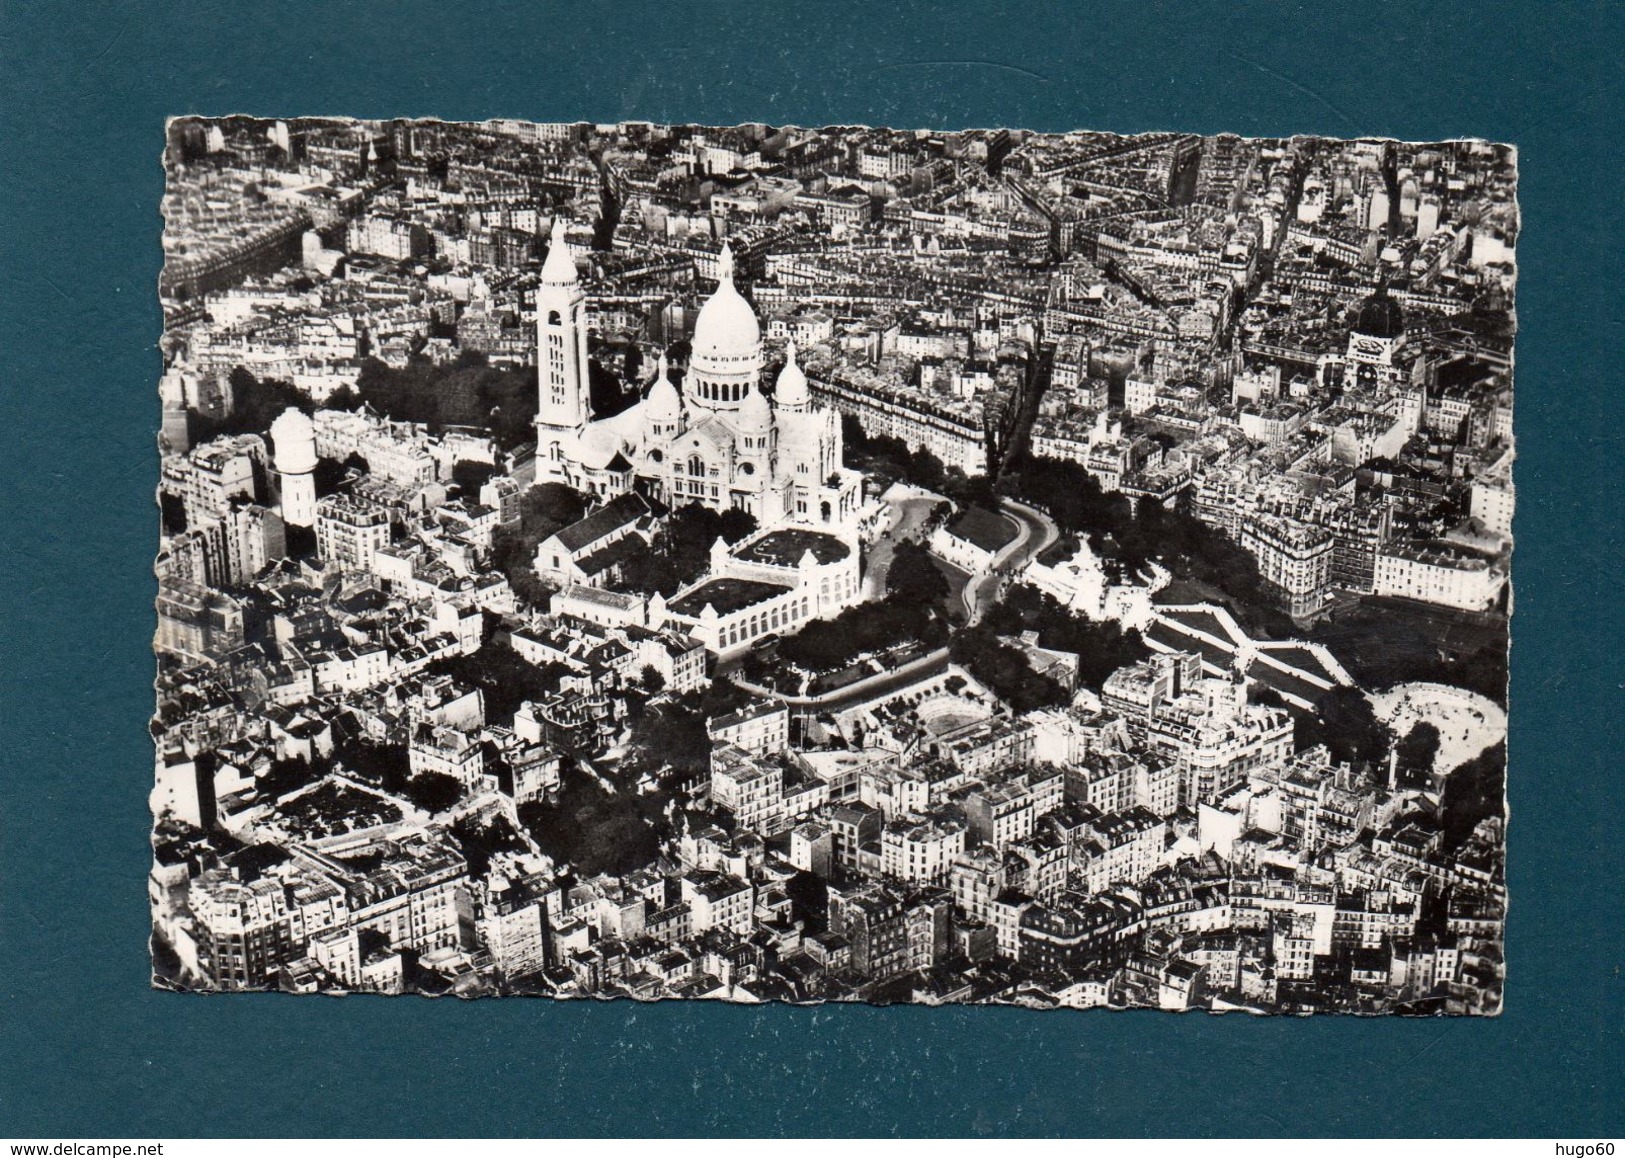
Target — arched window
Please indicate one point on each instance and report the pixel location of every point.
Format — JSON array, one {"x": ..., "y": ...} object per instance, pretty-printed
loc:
[
  {"x": 696, "y": 465},
  {"x": 553, "y": 318}
]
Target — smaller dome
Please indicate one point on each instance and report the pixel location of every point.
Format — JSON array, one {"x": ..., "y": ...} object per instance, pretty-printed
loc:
[
  {"x": 755, "y": 415},
  {"x": 595, "y": 448},
  {"x": 1380, "y": 316},
  {"x": 664, "y": 403},
  {"x": 792, "y": 384}
]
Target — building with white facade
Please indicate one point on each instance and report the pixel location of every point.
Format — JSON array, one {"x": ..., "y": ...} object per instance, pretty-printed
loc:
[
  {"x": 1294, "y": 558},
  {"x": 349, "y": 532},
  {"x": 718, "y": 442},
  {"x": 921, "y": 851},
  {"x": 1440, "y": 573},
  {"x": 770, "y": 583},
  {"x": 293, "y": 438}
]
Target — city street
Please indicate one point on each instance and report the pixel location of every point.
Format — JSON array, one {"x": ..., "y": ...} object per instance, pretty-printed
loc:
[{"x": 910, "y": 508}]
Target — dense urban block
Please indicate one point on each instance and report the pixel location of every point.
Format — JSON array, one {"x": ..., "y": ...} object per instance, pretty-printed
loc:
[{"x": 1065, "y": 570}]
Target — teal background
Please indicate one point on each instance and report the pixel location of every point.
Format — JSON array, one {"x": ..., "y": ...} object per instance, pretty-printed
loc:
[{"x": 87, "y": 1050}]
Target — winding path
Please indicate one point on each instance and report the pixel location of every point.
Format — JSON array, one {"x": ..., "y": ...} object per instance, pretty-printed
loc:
[
  {"x": 1035, "y": 532},
  {"x": 930, "y": 664}
]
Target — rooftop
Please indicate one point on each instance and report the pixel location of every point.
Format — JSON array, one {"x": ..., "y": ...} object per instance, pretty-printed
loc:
[
  {"x": 620, "y": 551},
  {"x": 598, "y": 595},
  {"x": 1438, "y": 553},
  {"x": 784, "y": 548},
  {"x": 617, "y": 513},
  {"x": 726, "y": 595},
  {"x": 747, "y": 713}
]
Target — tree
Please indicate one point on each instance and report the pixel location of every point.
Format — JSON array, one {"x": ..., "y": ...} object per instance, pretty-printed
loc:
[
  {"x": 255, "y": 404},
  {"x": 344, "y": 398},
  {"x": 386, "y": 765},
  {"x": 651, "y": 680},
  {"x": 591, "y": 829},
  {"x": 434, "y": 791},
  {"x": 1068, "y": 492},
  {"x": 1133, "y": 536},
  {"x": 925, "y": 469},
  {"x": 471, "y": 475},
  {"x": 1473, "y": 792},
  {"x": 914, "y": 575},
  {"x": 1416, "y": 752},
  {"x": 891, "y": 457},
  {"x": 1101, "y": 646},
  {"x": 673, "y": 734},
  {"x": 758, "y": 668},
  {"x": 331, "y": 476},
  {"x": 719, "y": 697},
  {"x": 543, "y": 510},
  {"x": 604, "y": 388},
  {"x": 467, "y": 392},
  {"x": 1259, "y": 693},
  {"x": 528, "y": 587},
  {"x": 549, "y": 506},
  {"x": 1344, "y": 721},
  {"x": 285, "y": 776},
  {"x": 682, "y": 552},
  {"x": 1004, "y": 670},
  {"x": 481, "y": 842},
  {"x": 974, "y": 491},
  {"x": 505, "y": 678},
  {"x": 734, "y": 525},
  {"x": 827, "y": 644}
]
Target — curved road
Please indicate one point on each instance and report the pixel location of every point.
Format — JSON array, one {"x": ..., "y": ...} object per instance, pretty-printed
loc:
[
  {"x": 910, "y": 509},
  {"x": 930, "y": 664},
  {"x": 1036, "y": 531}
]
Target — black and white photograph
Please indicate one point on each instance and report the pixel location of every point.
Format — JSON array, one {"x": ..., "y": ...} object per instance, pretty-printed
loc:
[{"x": 778, "y": 564}]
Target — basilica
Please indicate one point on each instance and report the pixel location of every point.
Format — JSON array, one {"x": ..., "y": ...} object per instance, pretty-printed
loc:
[{"x": 719, "y": 442}]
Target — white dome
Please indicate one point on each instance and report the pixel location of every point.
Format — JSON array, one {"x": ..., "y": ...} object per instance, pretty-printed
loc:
[
  {"x": 726, "y": 329},
  {"x": 792, "y": 385},
  {"x": 293, "y": 439},
  {"x": 560, "y": 266},
  {"x": 596, "y": 446},
  {"x": 664, "y": 404},
  {"x": 755, "y": 415}
]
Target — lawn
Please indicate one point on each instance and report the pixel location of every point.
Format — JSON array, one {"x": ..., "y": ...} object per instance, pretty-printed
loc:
[
  {"x": 785, "y": 548},
  {"x": 1384, "y": 642},
  {"x": 987, "y": 529},
  {"x": 727, "y": 596}
]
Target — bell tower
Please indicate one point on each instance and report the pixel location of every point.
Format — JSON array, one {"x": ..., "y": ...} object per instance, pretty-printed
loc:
[{"x": 564, "y": 405}]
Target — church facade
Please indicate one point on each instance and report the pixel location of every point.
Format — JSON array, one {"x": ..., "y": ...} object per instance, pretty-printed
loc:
[{"x": 718, "y": 442}]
